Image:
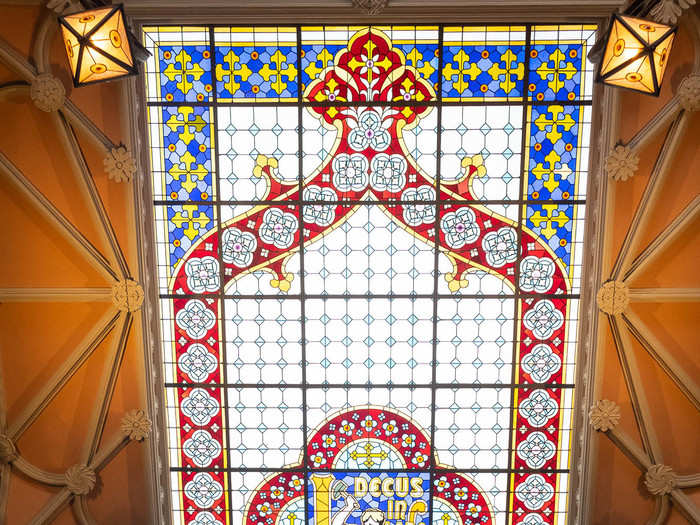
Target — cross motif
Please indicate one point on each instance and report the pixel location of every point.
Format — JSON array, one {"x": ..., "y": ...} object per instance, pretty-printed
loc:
[
  {"x": 540, "y": 171},
  {"x": 553, "y": 70},
  {"x": 324, "y": 57},
  {"x": 556, "y": 122},
  {"x": 279, "y": 72},
  {"x": 445, "y": 519},
  {"x": 243, "y": 72},
  {"x": 460, "y": 59},
  {"x": 183, "y": 72},
  {"x": 368, "y": 455},
  {"x": 189, "y": 183},
  {"x": 414, "y": 57},
  {"x": 186, "y": 123},
  {"x": 194, "y": 224},
  {"x": 549, "y": 219},
  {"x": 510, "y": 74}
]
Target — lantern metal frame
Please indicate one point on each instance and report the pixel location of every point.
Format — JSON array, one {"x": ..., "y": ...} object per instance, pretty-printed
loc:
[
  {"x": 84, "y": 41},
  {"x": 647, "y": 50}
]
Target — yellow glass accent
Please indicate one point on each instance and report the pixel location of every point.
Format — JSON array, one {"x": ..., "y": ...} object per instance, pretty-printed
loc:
[
  {"x": 186, "y": 123},
  {"x": 508, "y": 58},
  {"x": 278, "y": 59},
  {"x": 547, "y": 173},
  {"x": 461, "y": 58},
  {"x": 191, "y": 223},
  {"x": 554, "y": 70},
  {"x": 549, "y": 219},
  {"x": 556, "y": 121},
  {"x": 636, "y": 54},
  {"x": 183, "y": 72},
  {"x": 231, "y": 74},
  {"x": 97, "y": 45},
  {"x": 191, "y": 175}
]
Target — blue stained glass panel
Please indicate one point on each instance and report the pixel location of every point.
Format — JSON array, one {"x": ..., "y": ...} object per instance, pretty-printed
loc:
[
  {"x": 187, "y": 152},
  {"x": 185, "y": 73}
]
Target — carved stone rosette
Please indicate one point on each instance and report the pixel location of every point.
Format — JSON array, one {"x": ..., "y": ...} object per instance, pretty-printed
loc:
[
  {"x": 80, "y": 479},
  {"x": 127, "y": 295},
  {"x": 660, "y": 479},
  {"x": 370, "y": 7},
  {"x": 622, "y": 163},
  {"x": 136, "y": 425},
  {"x": 689, "y": 93},
  {"x": 47, "y": 93},
  {"x": 8, "y": 451},
  {"x": 613, "y": 297},
  {"x": 604, "y": 415},
  {"x": 119, "y": 164}
]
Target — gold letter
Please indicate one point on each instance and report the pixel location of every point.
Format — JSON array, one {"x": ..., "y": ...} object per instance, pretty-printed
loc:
[
  {"x": 360, "y": 487},
  {"x": 322, "y": 497},
  {"x": 416, "y": 487},
  {"x": 401, "y": 487},
  {"x": 388, "y": 487},
  {"x": 375, "y": 487}
]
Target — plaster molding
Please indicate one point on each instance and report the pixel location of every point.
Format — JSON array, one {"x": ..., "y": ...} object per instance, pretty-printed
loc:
[
  {"x": 119, "y": 164},
  {"x": 47, "y": 92},
  {"x": 613, "y": 297},
  {"x": 689, "y": 93},
  {"x": 622, "y": 163},
  {"x": 660, "y": 480},
  {"x": 370, "y": 7},
  {"x": 604, "y": 415},
  {"x": 135, "y": 425},
  {"x": 669, "y": 11},
  {"x": 8, "y": 451},
  {"x": 80, "y": 479},
  {"x": 127, "y": 295}
]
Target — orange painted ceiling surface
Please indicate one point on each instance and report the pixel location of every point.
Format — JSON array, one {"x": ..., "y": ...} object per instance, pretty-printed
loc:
[{"x": 35, "y": 338}]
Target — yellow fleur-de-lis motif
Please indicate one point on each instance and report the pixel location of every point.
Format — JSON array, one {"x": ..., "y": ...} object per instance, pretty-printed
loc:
[
  {"x": 462, "y": 72},
  {"x": 189, "y": 221},
  {"x": 324, "y": 57},
  {"x": 235, "y": 70},
  {"x": 510, "y": 74},
  {"x": 553, "y": 70},
  {"x": 290, "y": 72},
  {"x": 414, "y": 57},
  {"x": 549, "y": 219},
  {"x": 186, "y": 71},
  {"x": 191, "y": 175},
  {"x": 186, "y": 123},
  {"x": 554, "y": 122},
  {"x": 547, "y": 173}
]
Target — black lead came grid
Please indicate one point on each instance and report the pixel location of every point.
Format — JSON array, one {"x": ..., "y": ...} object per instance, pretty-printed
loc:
[{"x": 308, "y": 382}]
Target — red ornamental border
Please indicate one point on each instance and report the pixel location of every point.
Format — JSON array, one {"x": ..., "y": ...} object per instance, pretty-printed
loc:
[
  {"x": 389, "y": 427},
  {"x": 271, "y": 256}
]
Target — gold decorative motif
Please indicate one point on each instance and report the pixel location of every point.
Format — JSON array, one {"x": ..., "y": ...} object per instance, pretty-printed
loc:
[
  {"x": 689, "y": 93},
  {"x": 127, "y": 295},
  {"x": 119, "y": 165},
  {"x": 622, "y": 163},
  {"x": 136, "y": 425},
  {"x": 660, "y": 479},
  {"x": 371, "y": 7},
  {"x": 8, "y": 451},
  {"x": 47, "y": 93},
  {"x": 668, "y": 11},
  {"x": 80, "y": 479},
  {"x": 613, "y": 297},
  {"x": 604, "y": 415}
]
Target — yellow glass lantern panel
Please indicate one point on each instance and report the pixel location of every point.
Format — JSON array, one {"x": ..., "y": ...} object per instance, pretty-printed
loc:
[
  {"x": 98, "y": 45},
  {"x": 636, "y": 75},
  {"x": 636, "y": 54},
  {"x": 84, "y": 22},
  {"x": 661, "y": 53},
  {"x": 622, "y": 46}
]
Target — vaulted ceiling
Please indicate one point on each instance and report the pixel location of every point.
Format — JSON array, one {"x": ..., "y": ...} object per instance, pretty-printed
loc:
[{"x": 73, "y": 378}]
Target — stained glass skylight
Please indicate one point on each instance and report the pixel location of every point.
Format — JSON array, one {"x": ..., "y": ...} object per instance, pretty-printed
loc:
[{"x": 369, "y": 245}]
